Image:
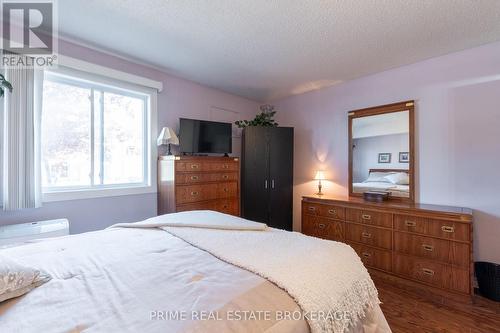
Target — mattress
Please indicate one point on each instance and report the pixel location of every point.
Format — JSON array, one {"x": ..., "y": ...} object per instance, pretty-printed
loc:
[{"x": 147, "y": 280}]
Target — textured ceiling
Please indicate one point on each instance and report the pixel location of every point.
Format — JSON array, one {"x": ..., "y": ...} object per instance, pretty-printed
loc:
[{"x": 269, "y": 49}]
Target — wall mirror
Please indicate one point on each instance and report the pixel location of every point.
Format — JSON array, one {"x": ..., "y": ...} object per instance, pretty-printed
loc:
[{"x": 381, "y": 151}]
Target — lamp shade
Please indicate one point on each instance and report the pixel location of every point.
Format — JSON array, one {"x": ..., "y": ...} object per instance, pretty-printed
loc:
[
  {"x": 167, "y": 136},
  {"x": 320, "y": 175}
]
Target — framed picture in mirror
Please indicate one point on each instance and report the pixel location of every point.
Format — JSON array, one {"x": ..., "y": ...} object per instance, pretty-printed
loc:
[
  {"x": 404, "y": 157},
  {"x": 384, "y": 158}
]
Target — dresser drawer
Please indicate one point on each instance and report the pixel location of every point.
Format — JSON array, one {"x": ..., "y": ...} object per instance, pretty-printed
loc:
[
  {"x": 228, "y": 206},
  {"x": 333, "y": 212},
  {"x": 374, "y": 258},
  {"x": 190, "y": 166},
  {"x": 311, "y": 208},
  {"x": 222, "y": 166},
  {"x": 193, "y": 193},
  {"x": 369, "y": 217},
  {"x": 227, "y": 190},
  {"x": 433, "y": 227},
  {"x": 436, "y": 274},
  {"x": 432, "y": 248},
  {"x": 422, "y": 270},
  {"x": 323, "y": 228},
  {"x": 369, "y": 235},
  {"x": 207, "y": 205},
  {"x": 196, "y": 178}
]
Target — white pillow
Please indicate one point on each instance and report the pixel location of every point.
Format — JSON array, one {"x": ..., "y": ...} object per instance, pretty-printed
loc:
[
  {"x": 400, "y": 178},
  {"x": 378, "y": 177},
  {"x": 17, "y": 280}
]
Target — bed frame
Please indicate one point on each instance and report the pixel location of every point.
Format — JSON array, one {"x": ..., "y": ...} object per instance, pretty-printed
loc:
[{"x": 389, "y": 170}]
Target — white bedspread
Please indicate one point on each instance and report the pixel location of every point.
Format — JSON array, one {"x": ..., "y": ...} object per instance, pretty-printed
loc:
[
  {"x": 130, "y": 280},
  {"x": 286, "y": 259}
]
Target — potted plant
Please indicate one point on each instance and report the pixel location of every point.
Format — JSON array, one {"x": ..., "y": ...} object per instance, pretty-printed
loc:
[
  {"x": 264, "y": 119},
  {"x": 4, "y": 84}
]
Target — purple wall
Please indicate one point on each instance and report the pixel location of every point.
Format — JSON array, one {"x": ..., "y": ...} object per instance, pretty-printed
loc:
[
  {"x": 458, "y": 124},
  {"x": 179, "y": 98}
]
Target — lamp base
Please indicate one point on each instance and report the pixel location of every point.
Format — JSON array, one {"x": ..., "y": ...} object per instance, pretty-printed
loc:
[
  {"x": 319, "y": 189},
  {"x": 169, "y": 152}
]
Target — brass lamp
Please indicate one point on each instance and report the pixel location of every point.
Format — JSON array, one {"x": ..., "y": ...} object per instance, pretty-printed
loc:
[{"x": 320, "y": 175}]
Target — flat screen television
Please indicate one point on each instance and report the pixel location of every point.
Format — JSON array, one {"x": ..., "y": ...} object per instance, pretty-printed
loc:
[{"x": 200, "y": 136}]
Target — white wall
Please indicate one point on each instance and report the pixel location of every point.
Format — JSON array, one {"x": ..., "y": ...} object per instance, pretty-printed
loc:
[{"x": 457, "y": 134}]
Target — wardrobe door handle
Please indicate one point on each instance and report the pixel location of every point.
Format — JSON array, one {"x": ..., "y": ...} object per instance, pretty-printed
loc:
[
  {"x": 265, "y": 184},
  {"x": 272, "y": 184}
]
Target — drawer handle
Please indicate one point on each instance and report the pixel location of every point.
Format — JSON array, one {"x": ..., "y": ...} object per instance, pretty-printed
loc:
[
  {"x": 194, "y": 166},
  {"x": 194, "y": 177},
  {"x": 410, "y": 223},
  {"x": 225, "y": 166},
  {"x": 428, "y": 247},
  {"x": 366, "y": 217},
  {"x": 225, "y": 177},
  {"x": 312, "y": 209},
  {"x": 427, "y": 271},
  {"x": 225, "y": 206},
  {"x": 366, "y": 235},
  {"x": 366, "y": 254},
  {"x": 194, "y": 193},
  {"x": 321, "y": 226},
  {"x": 447, "y": 228},
  {"x": 226, "y": 189},
  {"x": 332, "y": 211}
]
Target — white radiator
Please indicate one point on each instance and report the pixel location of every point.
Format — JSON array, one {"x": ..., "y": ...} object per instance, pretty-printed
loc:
[{"x": 19, "y": 233}]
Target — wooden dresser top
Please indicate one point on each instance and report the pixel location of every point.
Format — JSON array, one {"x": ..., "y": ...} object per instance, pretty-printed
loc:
[
  {"x": 460, "y": 213},
  {"x": 198, "y": 158}
]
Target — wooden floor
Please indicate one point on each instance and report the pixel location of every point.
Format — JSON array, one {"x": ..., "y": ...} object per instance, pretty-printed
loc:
[{"x": 406, "y": 311}]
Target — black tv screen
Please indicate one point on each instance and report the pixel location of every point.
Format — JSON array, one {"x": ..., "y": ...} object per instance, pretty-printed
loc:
[{"x": 200, "y": 136}]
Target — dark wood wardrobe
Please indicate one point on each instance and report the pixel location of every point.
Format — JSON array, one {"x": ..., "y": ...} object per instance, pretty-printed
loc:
[{"x": 267, "y": 175}]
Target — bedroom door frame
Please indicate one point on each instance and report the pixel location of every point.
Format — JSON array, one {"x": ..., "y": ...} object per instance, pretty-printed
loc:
[{"x": 384, "y": 109}]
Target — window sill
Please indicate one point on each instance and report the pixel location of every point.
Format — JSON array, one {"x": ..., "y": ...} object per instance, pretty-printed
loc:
[{"x": 68, "y": 195}]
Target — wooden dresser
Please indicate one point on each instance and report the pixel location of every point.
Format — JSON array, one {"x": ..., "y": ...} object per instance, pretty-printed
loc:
[
  {"x": 427, "y": 244},
  {"x": 198, "y": 182}
]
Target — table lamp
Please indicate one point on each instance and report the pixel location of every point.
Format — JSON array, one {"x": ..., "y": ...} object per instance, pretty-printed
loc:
[
  {"x": 167, "y": 137},
  {"x": 320, "y": 175}
]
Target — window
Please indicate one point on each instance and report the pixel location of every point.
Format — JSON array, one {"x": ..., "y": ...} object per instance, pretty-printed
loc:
[{"x": 94, "y": 136}]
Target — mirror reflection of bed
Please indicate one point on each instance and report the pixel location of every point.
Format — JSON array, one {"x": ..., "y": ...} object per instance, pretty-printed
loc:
[
  {"x": 381, "y": 154},
  {"x": 394, "y": 181}
]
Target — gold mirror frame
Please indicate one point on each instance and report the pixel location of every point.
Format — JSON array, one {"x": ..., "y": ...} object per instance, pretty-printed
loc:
[{"x": 383, "y": 109}]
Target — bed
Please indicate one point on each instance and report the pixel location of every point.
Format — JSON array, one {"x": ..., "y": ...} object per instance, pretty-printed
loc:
[
  {"x": 377, "y": 181},
  {"x": 184, "y": 272}
]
